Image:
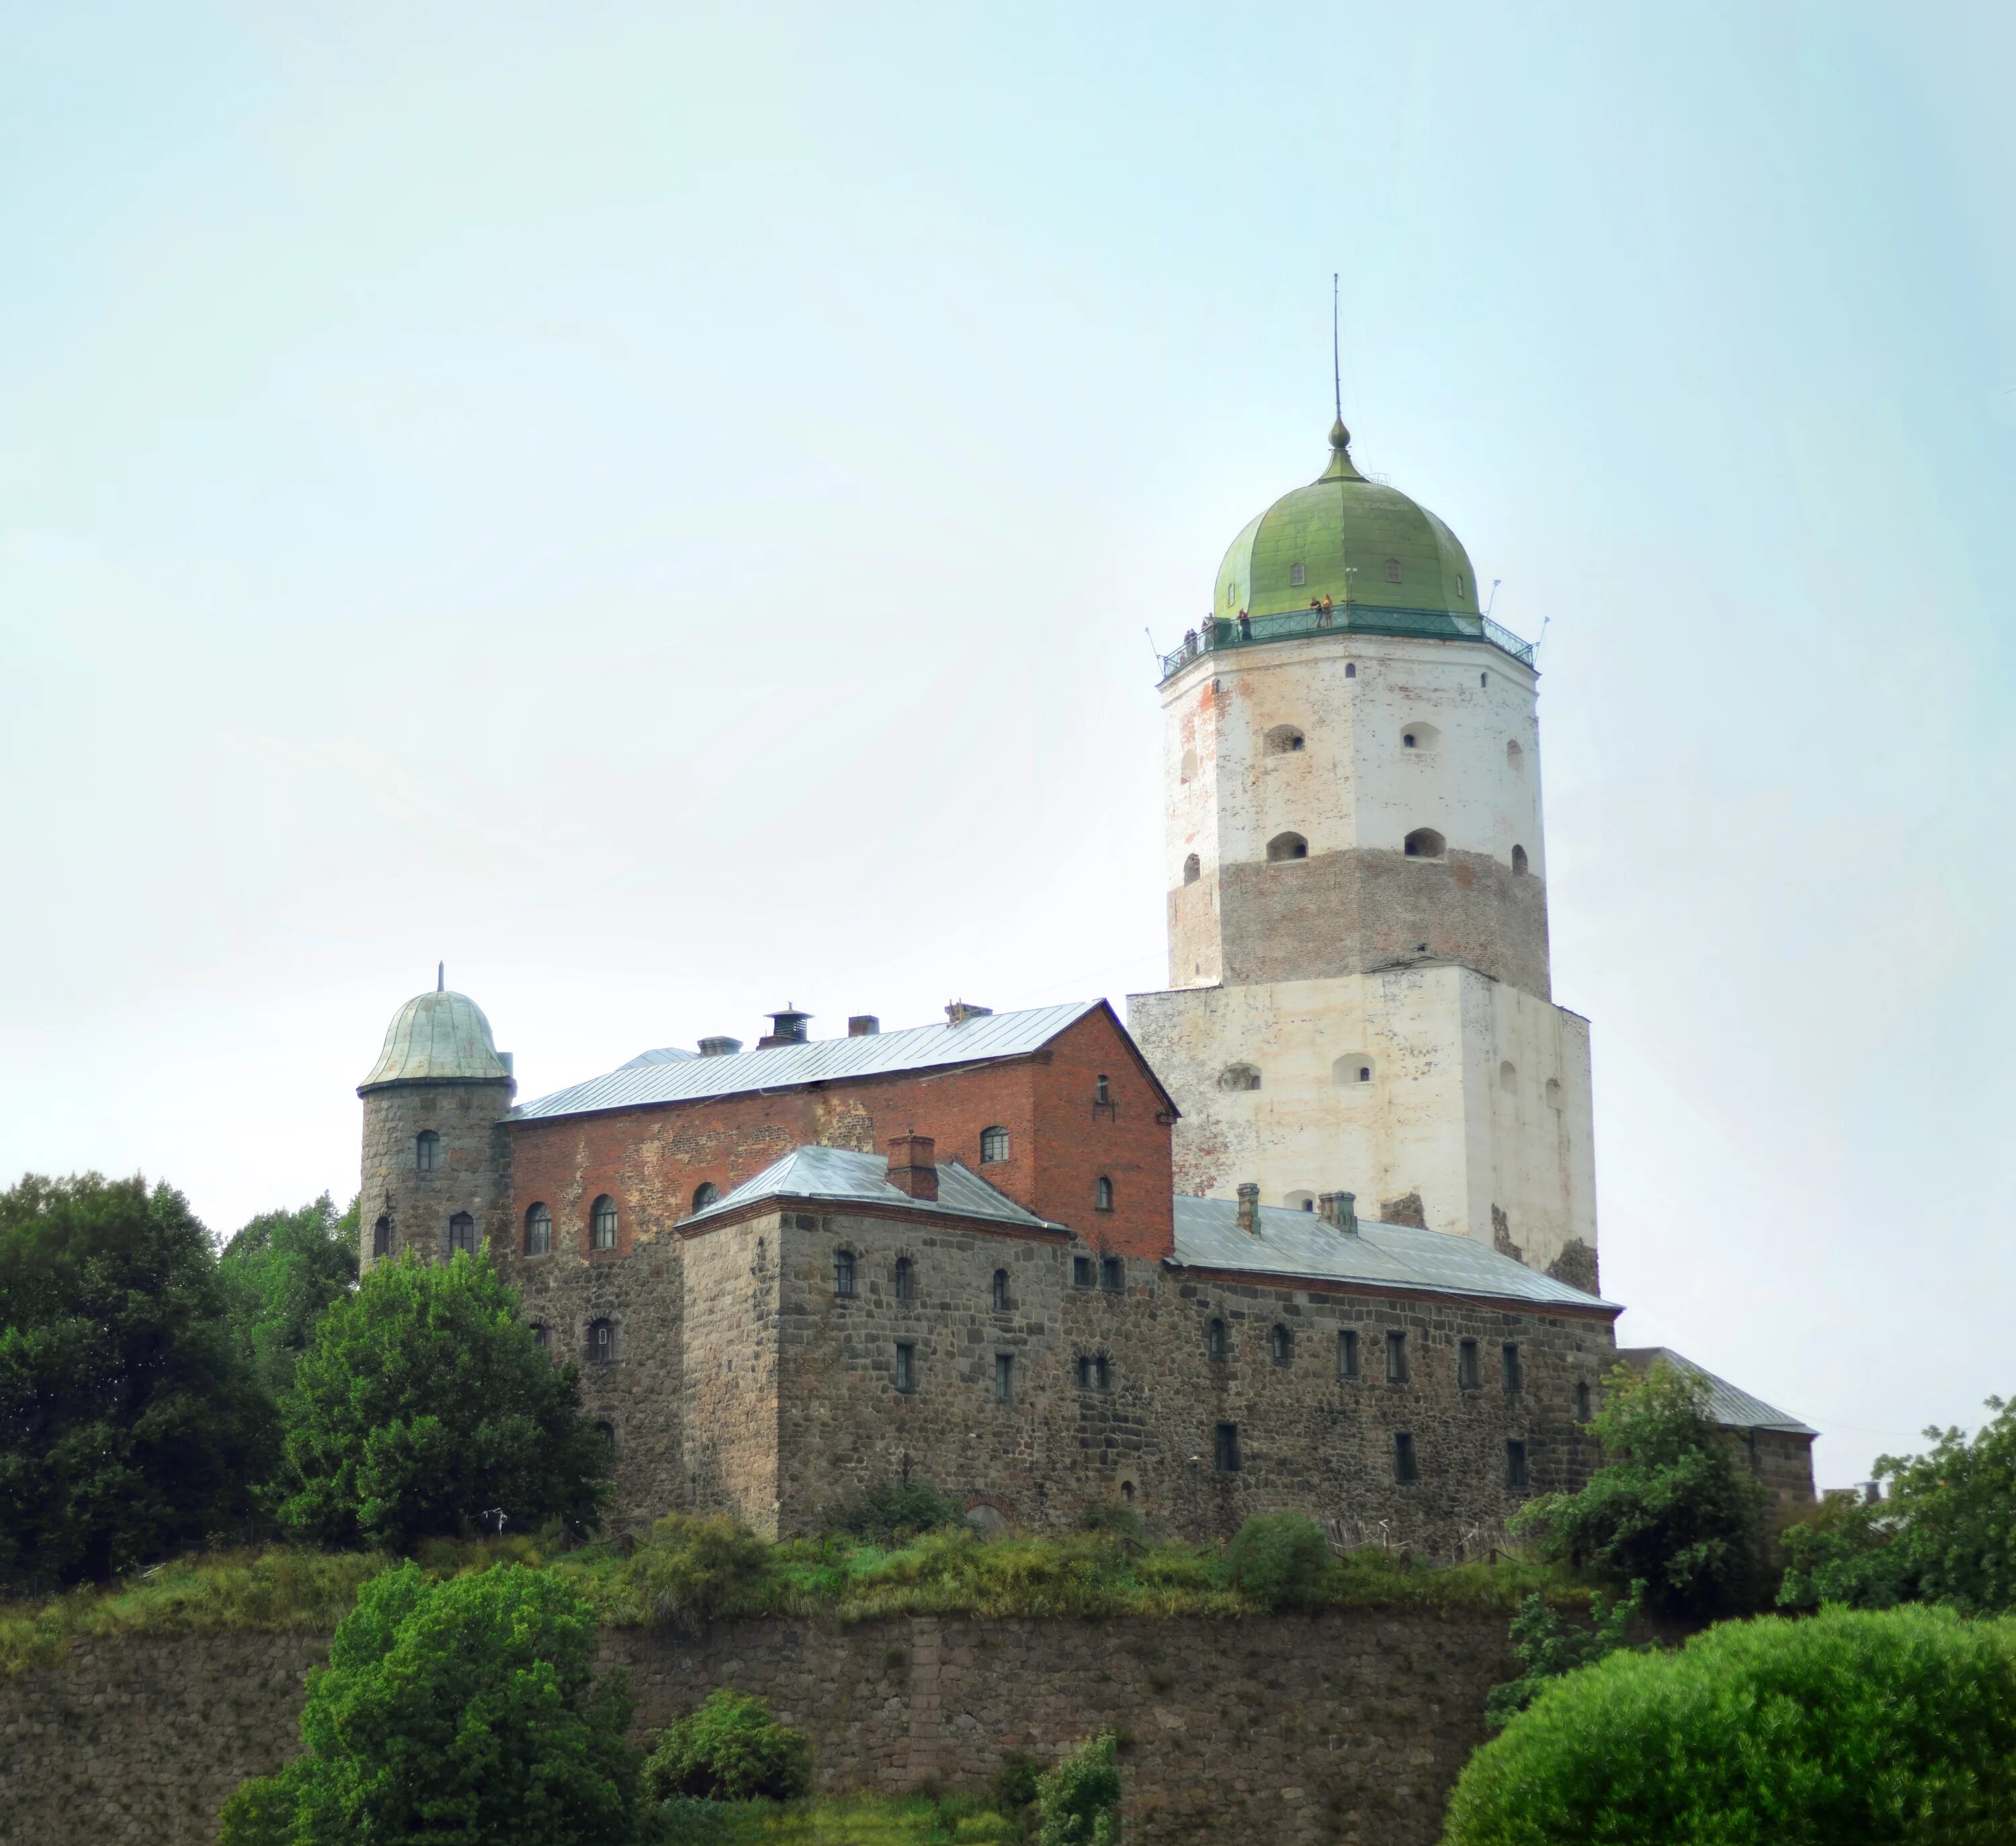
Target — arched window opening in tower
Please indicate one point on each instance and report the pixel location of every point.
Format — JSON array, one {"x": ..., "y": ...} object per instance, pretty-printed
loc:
[
  {"x": 1287, "y": 846},
  {"x": 1518, "y": 861},
  {"x": 843, "y": 1275},
  {"x": 1508, "y": 1077},
  {"x": 1420, "y": 735},
  {"x": 538, "y": 1231},
  {"x": 1188, "y": 769},
  {"x": 705, "y": 1194},
  {"x": 1515, "y": 757},
  {"x": 1354, "y": 1067},
  {"x": 602, "y": 1223},
  {"x": 1392, "y": 570},
  {"x": 1283, "y": 739},
  {"x": 462, "y": 1233},
  {"x": 426, "y": 1150},
  {"x": 1425, "y": 842},
  {"x": 1238, "y": 1077},
  {"x": 1483, "y": 679},
  {"x": 1554, "y": 1092},
  {"x": 381, "y": 1237},
  {"x": 906, "y": 1280},
  {"x": 1350, "y": 669},
  {"x": 601, "y": 1342},
  {"x": 542, "y": 1336},
  {"x": 1193, "y": 869},
  {"x": 1102, "y": 1194},
  {"x": 993, "y": 1147}
]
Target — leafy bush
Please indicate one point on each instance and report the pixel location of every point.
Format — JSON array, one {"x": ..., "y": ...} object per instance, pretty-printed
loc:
[
  {"x": 696, "y": 1568},
  {"x": 421, "y": 1401},
  {"x": 730, "y": 1750},
  {"x": 1672, "y": 1507},
  {"x": 280, "y": 1273},
  {"x": 1079, "y": 1800},
  {"x": 1278, "y": 1559},
  {"x": 129, "y": 1424},
  {"x": 900, "y": 1512},
  {"x": 1549, "y": 1647},
  {"x": 1946, "y": 1534},
  {"x": 462, "y": 1711},
  {"x": 1842, "y": 1727}
]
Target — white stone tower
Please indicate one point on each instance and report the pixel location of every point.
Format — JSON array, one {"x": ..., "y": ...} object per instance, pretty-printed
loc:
[{"x": 1359, "y": 994}]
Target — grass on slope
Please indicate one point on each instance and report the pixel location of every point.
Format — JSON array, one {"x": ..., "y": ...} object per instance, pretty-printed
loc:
[{"x": 849, "y": 1820}]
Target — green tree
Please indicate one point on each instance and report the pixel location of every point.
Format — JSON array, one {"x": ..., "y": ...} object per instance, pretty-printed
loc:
[
  {"x": 421, "y": 1401},
  {"x": 1672, "y": 1507},
  {"x": 1549, "y": 1647},
  {"x": 1079, "y": 1800},
  {"x": 280, "y": 1273},
  {"x": 1846, "y": 1727},
  {"x": 729, "y": 1750},
  {"x": 1945, "y": 1533},
  {"x": 1278, "y": 1559},
  {"x": 463, "y": 1713},
  {"x": 129, "y": 1423}
]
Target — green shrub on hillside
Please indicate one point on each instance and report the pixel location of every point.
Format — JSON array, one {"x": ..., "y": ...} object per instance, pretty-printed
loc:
[
  {"x": 1549, "y": 1647},
  {"x": 730, "y": 1750},
  {"x": 693, "y": 1569},
  {"x": 1079, "y": 1800},
  {"x": 422, "y": 1401},
  {"x": 1672, "y": 1507},
  {"x": 901, "y": 1511},
  {"x": 1844, "y": 1727},
  {"x": 129, "y": 1422},
  {"x": 1278, "y": 1559},
  {"x": 461, "y": 1710}
]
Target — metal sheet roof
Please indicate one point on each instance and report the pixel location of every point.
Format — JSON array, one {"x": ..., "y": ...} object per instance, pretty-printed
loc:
[
  {"x": 838, "y": 1176},
  {"x": 1301, "y": 1244},
  {"x": 440, "y": 1036},
  {"x": 818, "y": 1060},
  {"x": 1733, "y": 1407}
]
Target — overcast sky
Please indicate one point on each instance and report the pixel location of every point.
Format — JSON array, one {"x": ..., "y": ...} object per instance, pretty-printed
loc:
[{"x": 660, "y": 507}]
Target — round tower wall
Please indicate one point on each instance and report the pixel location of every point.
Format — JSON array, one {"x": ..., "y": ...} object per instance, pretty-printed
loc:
[{"x": 470, "y": 1171}]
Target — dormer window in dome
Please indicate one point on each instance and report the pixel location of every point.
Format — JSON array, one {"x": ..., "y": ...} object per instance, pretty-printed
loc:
[
  {"x": 1462, "y": 585},
  {"x": 1392, "y": 570},
  {"x": 1297, "y": 577}
]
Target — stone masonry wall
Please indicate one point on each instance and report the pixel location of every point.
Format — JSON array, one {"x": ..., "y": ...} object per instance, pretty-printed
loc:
[
  {"x": 472, "y": 1171},
  {"x": 1347, "y": 1727}
]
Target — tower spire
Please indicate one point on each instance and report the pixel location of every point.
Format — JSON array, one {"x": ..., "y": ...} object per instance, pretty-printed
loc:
[
  {"x": 440, "y": 977},
  {"x": 1336, "y": 362},
  {"x": 1340, "y": 437}
]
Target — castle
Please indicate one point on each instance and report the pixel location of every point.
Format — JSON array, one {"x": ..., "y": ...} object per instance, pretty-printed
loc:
[{"x": 1317, "y": 1233}]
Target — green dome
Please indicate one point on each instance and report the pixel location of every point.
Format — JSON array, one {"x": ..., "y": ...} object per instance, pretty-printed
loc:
[
  {"x": 1355, "y": 541},
  {"x": 438, "y": 1037}
]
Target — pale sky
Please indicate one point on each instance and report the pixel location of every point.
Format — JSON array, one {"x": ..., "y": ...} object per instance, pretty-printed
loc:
[{"x": 659, "y": 507}]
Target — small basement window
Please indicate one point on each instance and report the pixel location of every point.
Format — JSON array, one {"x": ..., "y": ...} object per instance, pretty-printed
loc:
[
  {"x": 1406, "y": 1471},
  {"x": 993, "y": 1147},
  {"x": 1287, "y": 846},
  {"x": 1424, "y": 842},
  {"x": 539, "y": 1232},
  {"x": 1225, "y": 1450}
]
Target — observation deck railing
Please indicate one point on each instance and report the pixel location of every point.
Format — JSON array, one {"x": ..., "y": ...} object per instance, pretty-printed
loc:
[{"x": 1360, "y": 618}]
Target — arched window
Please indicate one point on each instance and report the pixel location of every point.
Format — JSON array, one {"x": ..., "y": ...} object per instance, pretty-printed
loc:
[
  {"x": 426, "y": 1150},
  {"x": 1102, "y": 1089},
  {"x": 1424, "y": 842},
  {"x": 602, "y": 1223},
  {"x": 1000, "y": 1291},
  {"x": 1462, "y": 589},
  {"x": 607, "y": 1432},
  {"x": 993, "y": 1147},
  {"x": 1193, "y": 868},
  {"x": 1518, "y": 861},
  {"x": 601, "y": 1342},
  {"x": 381, "y": 1237},
  {"x": 1298, "y": 576},
  {"x": 538, "y": 1231},
  {"x": 1186, "y": 770},
  {"x": 1554, "y": 1092},
  {"x": 1350, "y": 669},
  {"x": 461, "y": 1233},
  {"x": 843, "y": 1275},
  {"x": 906, "y": 1279},
  {"x": 1420, "y": 735},
  {"x": 1515, "y": 757},
  {"x": 1582, "y": 1403},
  {"x": 1238, "y": 1077},
  {"x": 1280, "y": 1343},
  {"x": 1102, "y": 1194},
  {"x": 1283, "y": 739},
  {"x": 1508, "y": 1077},
  {"x": 542, "y": 1336},
  {"x": 1218, "y": 1345},
  {"x": 1287, "y": 846},
  {"x": 705, "y": 1194},
  {"x": 1392, "y": 570},
  {"x": 1354, "y": 1067}
]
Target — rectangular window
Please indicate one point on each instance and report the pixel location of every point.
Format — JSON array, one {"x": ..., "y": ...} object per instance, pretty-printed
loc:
[
  {"x": 1004, "y": 1377},
  {"x": 1405, "y": 1471},
  {"x": 1466, "y": 1365},
  {"x": 1298, "y": 576},
  {"x": 1081, "y": 1272},
  {"x": 1396, "y": 1358},
  {"x": 1113, "y": 1274},
  {"x": 1347, "y": 1353},
  {"x": 1228, "y": 1449},
  {"x": 906, "y": 1367},
  {"x": 1513, "y": 1379},
  {"x": 1515, "y": 1464}
]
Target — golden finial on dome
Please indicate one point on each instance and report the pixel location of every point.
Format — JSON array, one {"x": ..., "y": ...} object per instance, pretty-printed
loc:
[{"x": 1340, "y": 437}]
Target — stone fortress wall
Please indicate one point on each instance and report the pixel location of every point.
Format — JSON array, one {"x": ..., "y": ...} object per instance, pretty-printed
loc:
[{"x": 1350, "y": 1726}]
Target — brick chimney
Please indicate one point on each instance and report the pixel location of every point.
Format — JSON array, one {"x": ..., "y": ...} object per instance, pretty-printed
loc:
[
  {"x": 959, "y": 1012},
  {"x": 862, "y": 1025},
  {"x": 719, "y": 1047},
  {"x": 1249, "y": 1209},
  {"x": 913, "y": 1165},
  {"x": 1339, "y": 1210}
]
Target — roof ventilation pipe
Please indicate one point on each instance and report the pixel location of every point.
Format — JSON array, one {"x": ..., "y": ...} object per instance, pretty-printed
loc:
[
  {"x": 862, "y": 1025},
  {"x": 1340, "y": 1211},
  {"x": 787, "y": 1026},
  {"x": 719, "y": 1047},
  {"x": 1249, "y": 1209}
]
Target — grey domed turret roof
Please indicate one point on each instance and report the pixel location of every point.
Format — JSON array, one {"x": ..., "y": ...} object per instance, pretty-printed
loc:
[{"x": 438, "y": 1037}]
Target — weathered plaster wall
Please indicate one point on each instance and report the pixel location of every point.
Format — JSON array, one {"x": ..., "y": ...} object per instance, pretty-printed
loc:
[
  {"x": 1349, "y": 1727},
  {"x": 1439, "y": 1115}
]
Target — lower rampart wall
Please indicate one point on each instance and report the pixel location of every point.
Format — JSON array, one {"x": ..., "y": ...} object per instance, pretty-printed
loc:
[{"x": 1348, "y": 1726}]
